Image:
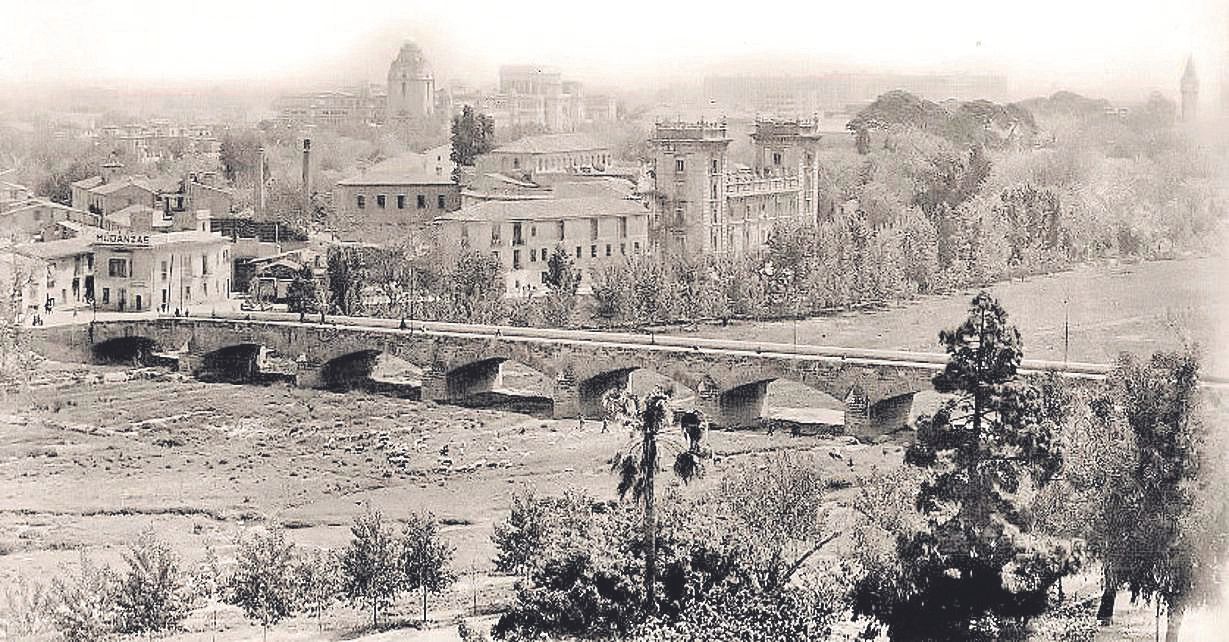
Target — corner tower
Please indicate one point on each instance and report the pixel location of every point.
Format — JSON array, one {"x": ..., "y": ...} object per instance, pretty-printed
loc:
[
  {"x": 411, "y": 85},
  {"x": 689, "y": 168}
]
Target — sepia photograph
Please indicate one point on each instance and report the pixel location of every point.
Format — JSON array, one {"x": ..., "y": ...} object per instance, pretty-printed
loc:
[{"x": 566, "y": 321}]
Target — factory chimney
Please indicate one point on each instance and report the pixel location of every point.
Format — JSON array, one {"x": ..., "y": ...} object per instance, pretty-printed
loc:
[
  {"x": 260, "y": 180},
  {"x": 307, "y": 175}
]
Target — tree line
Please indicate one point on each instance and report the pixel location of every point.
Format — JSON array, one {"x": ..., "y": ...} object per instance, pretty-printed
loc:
[{"x": 269, "y": 578}]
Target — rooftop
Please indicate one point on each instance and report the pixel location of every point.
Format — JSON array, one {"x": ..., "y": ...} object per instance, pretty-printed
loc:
[
  {"x": 551, "y": 144},
  {"x": 407, "y": 169},
  {"x": 57, "y": 249},
  {"x": 545, "y": 210}
]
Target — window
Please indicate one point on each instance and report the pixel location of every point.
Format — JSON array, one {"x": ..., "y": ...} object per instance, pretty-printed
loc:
[
  {"x": 678, "y": 165},
  {"x": 516, "y": 259},
  {"x": 714, "y": 190},
  {"x": 495, "y": 254},
  {"x": 533, "y": 256},
  {"x": 561, "y": 230},
  {"x": 381, "y": 201},
  {"x": 117, "y": 268},
  {"x": 533, "y": 231},
  {"x": 89, "y": 262},
  {"x": 163, "y": 270},
  {"x": 422, "y": 202},
  {"x": 544, "y": 276},
  {"x": 578, "y": 251},
  {"x": 716, "y": 167},
  {"x": 204, "y": 265},
  {"x": 401, "y": 201},
  {"x": 517, "y": 237},
  {"x": 592, "y": 229},
  {"x": 440, "y": 202},
  {"x": 776, "y": 158},
  {"x": 593, "y": 251},
  {"x": 623, "y": 249},
  {"x": 607, "y": 249},
  {"x": 636, "y": 247},
  {"x": 205, "y": 289},
  {"x": 360, "y": 201},
  {"x": 106, "y": 295},
  {"x": 495, "y": 234},
  {"x": 622, "y": 227}
]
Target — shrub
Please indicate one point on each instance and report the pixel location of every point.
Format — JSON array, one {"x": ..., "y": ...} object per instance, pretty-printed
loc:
[
  {"x": 84, "y": 604},
  {"x": 153, "y": 596}
]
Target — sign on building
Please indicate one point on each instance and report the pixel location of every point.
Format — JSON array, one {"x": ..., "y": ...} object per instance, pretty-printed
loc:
[{"x": 121, "y": 239}]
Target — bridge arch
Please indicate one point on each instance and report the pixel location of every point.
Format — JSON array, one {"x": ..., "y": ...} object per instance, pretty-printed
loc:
[
  {"x": 236, "y": 363},
  {"x": 127, "y": 349}
]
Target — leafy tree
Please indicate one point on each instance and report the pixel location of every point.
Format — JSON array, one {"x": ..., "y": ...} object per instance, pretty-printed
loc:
[
  {"x": 976, "y": 558},
  {"x": 562, "y": 279},
  {"x": 425, "y": 559},
  {"x": 304, "y": 292},
  {"x": 153, "y": 596},
  {"x": 85, "y": 603},
  {"x": 370, "y": 565},
  {"x": 238, "y": 153},
  {"x": 207, "y": 581},
  {"x": 473, "y": 134},
  {"x": 1184, "y": 513},
  {"x": 263, "y": 580},
  {"x": 317, "y": 580},
  {"x": 1094, "y": 497},
  {"x": 521, "y": 537},
  {"x": 347, "y": 272},
  {"x": 637, "y": 469}
]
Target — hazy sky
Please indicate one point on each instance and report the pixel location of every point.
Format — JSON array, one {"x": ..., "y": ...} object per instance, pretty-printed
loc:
[{"x": 1042, "y": 44}]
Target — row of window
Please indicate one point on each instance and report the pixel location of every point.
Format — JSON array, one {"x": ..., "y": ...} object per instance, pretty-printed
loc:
[
  {"x": 441, "y": 201},
  {"x": 121, "y": 267},
  {"x": 544, "y": 254},
  {"x": 518, "y": 237}
]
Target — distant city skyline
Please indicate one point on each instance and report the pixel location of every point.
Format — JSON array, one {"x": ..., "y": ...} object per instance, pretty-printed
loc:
[{"x": 1101, "y": 47}]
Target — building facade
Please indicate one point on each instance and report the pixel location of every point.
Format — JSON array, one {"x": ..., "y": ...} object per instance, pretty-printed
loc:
[
  {"x": 404, "y": 192},
  {"x": 164, "y": 272},
  {"x": 411, "y": 85},
  {"x": 702, "y": 204},
  {"x": 522, "y": 235},
  {"x": 548, "y": 153}
]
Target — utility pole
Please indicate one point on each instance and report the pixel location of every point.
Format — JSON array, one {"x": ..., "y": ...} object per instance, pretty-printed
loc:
[{"x": 1066, "y": 328}]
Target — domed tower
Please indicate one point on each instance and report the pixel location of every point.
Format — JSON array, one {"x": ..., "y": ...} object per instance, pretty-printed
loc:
[
  {"x": 1190, "y": 92},
  {"x": 411, "y": 86}
]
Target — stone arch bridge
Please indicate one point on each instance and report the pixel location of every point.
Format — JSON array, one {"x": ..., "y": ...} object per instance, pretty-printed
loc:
[{"x": 460, "y": 360}]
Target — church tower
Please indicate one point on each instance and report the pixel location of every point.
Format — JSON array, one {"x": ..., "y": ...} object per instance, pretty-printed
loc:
[
  {"x": 1190, "y": 92},
  {"x": 411, "y": 85}
]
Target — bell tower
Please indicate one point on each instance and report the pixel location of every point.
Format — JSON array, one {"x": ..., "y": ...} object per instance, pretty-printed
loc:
[
  {"x": 1190, "y": 92},
  {"x": 411, "y": 85}
]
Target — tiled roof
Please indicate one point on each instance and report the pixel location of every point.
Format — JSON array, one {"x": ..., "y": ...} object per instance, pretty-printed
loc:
[
  {"x": 551, "y": 209},
  {"x": 407, "y": 169},
  {"x": 552, "y": 144},
  {"x": 56, "y": 249}
]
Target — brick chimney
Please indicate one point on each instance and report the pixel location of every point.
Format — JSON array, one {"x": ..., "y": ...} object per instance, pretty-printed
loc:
[{"x": 307, "y": 174}]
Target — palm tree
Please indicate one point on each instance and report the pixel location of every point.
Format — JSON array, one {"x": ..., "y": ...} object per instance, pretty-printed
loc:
[{"x": 636, "y": 464}]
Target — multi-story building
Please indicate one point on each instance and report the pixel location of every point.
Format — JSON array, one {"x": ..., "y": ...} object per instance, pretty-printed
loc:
[
  {"x": 548, "y": 153},
  {"x": 112, "y": 191},
  {"x": 522, "y": 235},
  {"x": 404, "y": 193},
  {"x": 702, "y": 204},
  {"x": 137, "y": 271}
]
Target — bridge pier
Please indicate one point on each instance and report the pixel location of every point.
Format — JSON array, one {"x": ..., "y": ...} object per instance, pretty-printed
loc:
[
  {"x": 308, "y": 375},
  {"x": 883, "y": 417}
]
